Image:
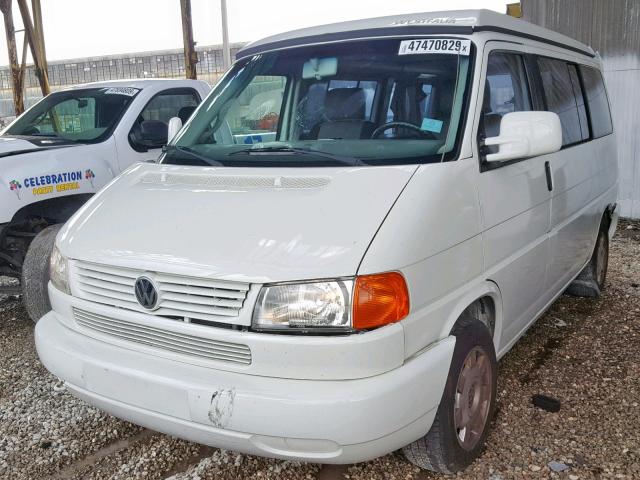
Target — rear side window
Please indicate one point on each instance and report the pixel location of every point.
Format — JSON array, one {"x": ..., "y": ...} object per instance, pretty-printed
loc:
[
  {"x": 172, "y": 103},
  {"x": 561, "y": 98},
  {"x": 599, "y": 111},
  {"x": 506, "y": 90}
]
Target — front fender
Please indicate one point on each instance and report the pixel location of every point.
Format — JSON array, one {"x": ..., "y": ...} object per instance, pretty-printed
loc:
[{"x": 37, "y": 176}]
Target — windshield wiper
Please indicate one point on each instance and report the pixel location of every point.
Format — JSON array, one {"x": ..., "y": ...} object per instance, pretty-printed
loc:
[
  {"x": 51, "y": 135},
  {"x": 193, "y": 154},
  {"x": 303, "y": 151}
]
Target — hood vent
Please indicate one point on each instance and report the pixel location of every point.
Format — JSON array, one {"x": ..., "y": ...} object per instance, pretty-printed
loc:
[{"x": 223, "y": 182}]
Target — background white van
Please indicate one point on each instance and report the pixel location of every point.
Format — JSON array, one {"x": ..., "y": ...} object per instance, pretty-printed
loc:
[{"x": 351, "y": 229}]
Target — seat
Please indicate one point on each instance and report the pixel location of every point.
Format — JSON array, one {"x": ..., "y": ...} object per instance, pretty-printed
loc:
[
  {"x": 344, "y": 114},
  {"x": 490, "y": 121},
  {"x": 443, "y": 110}
]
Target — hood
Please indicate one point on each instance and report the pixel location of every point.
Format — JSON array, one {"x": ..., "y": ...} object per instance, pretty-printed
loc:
[{"x": 245, "y": 224}]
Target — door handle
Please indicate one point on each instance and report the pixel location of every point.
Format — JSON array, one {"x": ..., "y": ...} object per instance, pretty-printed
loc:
[{"x": 547, "y": 171}]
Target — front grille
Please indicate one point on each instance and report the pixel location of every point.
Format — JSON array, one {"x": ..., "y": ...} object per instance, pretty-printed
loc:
[
  {"x": 187, "y": 298},
  {"x": 185, "y": 344}
]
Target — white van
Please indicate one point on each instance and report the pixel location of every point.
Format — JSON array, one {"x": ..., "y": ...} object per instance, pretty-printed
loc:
[{"x": 349, "y": 231}]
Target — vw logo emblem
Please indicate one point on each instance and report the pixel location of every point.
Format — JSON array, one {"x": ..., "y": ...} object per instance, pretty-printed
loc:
[{"x": 146, "y": 293}]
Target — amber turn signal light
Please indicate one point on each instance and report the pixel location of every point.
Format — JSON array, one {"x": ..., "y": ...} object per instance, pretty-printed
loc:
[{"x": 379, "y": 300}]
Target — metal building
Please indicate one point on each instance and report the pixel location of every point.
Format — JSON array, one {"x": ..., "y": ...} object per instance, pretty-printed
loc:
[
  {"x": 157, "y": 64},
  {"x": 612, "y": 27}
]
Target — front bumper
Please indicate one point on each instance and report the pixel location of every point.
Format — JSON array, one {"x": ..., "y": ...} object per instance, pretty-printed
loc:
[{"x": 335, "y": 421}]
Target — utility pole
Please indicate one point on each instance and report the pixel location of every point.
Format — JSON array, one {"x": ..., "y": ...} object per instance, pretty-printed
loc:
[
  {"x": 190, "y": 55},
  {"x": 39, "y": 31},
  {"x": 16, "y": 77},
  {"x": 39, "y": 60},
  {"x": 226, "y": 52}
]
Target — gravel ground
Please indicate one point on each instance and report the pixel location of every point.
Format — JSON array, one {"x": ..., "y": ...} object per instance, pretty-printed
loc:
[{"x": 584, "y": 352}]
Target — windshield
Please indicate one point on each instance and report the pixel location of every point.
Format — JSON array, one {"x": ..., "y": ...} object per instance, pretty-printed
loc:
[
  {"x": 369, "y": 102},
  {"x": 83, "y": 115}
]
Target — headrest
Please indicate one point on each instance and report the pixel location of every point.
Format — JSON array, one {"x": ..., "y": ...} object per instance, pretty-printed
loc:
[
  {"x": 185, "y": 112},
  {"x": 445, "y": 99},
  {"x": 486, "y": 101},
  {"x": 345, "y": 104}
]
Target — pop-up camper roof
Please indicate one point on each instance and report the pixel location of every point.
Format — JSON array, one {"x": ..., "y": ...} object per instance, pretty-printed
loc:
[{"x": 455, "y": 22}]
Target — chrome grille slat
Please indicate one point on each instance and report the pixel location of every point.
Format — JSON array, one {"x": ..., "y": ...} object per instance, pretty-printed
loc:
[
  {"x": 111, "y": 293},
  {"x": 201, "y": 282},
  {"x": 106, "y": 277},
  {"x": 100, "y": 284},
  {"x": 161, "y": 334},
  {"x": 205, "y": 299},
  {"x": 197, "y": 308},
  {"x": 150, "y": 340},
  {"x": 182, "y": 343},
  {"x": 202, "y": 300},
  {"x": 118, "y": 272},
  {"x": 167, "y": 333},
  {"x": 190, "y": 290}
]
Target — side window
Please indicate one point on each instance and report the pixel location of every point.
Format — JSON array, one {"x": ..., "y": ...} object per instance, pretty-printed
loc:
[
  {"x": 506, "y": 90},
  {"x": 172, "y": 103},
  {"x": 559, "y": 94},
  {"x": 150, "y": 128},
  {"x": 597, "y": 100}
]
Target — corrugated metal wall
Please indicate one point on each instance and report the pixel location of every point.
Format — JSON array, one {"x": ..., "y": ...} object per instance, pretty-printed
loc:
[{"x": 611, "y": 27}]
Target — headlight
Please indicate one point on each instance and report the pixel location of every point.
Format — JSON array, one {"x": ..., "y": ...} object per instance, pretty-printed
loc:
[
  {"x": 289, "y": 306},
  {"x": 59, "y": 271},
  {"x": 340, "y": 305}
]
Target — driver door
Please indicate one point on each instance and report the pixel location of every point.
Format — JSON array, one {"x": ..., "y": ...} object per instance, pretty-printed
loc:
[
  {"x": 514, "y": 196},
  {"x": 154, "y": 120}
]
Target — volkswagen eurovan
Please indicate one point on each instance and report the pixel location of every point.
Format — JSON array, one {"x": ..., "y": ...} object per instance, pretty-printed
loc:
[{"x": 332, "y": 253}]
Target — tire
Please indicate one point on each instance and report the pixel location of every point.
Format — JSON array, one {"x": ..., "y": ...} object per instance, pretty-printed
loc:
[
  {"x": 35, "y": 273},
  {"x": 592, "y": 278},
  {"x": 441, "y": 449}
]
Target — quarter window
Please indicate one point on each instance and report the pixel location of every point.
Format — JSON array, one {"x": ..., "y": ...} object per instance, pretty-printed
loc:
[
  {"x": 597, "y": 101},
  {"x": 560, "y": 96}
]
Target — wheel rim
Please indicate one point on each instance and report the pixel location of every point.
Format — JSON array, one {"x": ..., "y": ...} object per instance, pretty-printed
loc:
[
  {"x": 601, "y": 261},
  {"x": 473, "y": 398}
]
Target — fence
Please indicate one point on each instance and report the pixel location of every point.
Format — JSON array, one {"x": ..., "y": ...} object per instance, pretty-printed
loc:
[{"x": 158, "y": 64}]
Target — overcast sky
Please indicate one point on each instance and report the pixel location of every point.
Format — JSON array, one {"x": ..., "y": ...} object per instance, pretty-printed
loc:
[{"x": 81, "y": 28}]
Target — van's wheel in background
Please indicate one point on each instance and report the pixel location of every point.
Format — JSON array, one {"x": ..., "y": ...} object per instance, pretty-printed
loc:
[
  {"x": 35, "y": 273},
  {"x": 593, "y": 276},
  {"x": 462, "y": 422}
]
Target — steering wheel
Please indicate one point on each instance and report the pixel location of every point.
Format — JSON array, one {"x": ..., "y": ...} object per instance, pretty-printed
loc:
[{"x": 388, "y": 125}]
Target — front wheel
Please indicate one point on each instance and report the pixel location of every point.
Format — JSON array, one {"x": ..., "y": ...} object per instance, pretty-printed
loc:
[
  {"x": 462, "y": 422},
  {"x": 35, "y": 273}
]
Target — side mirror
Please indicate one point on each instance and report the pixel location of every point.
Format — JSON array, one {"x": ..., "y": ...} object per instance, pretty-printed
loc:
[
  {"x": 153, "y": 133},
  {"x": 175, "y": 124},
  {"x": 526, "y": 134}
]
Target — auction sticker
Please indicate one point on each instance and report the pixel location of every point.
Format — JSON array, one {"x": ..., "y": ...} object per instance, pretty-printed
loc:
[
  {"x": 128, "y": 91},
  {"x": 435, "y": 45}
]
